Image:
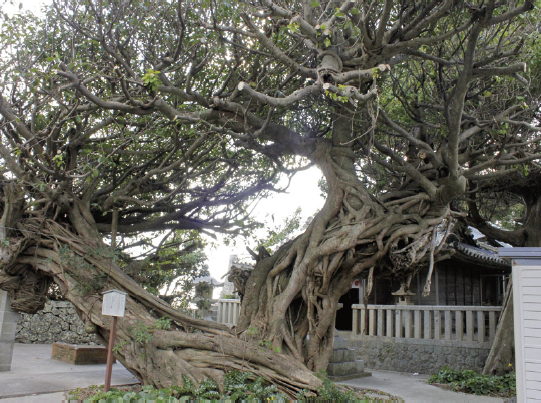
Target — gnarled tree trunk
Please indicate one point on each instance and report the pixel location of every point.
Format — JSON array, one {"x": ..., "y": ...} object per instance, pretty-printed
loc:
[
  {"x": 83, "y": 267},
  {"x": 501, "y": 358},
  {"x": 291, "y": 297}
]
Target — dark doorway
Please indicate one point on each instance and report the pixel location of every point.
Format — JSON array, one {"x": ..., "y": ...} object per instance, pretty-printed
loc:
[{"x": 344, "y": 316}]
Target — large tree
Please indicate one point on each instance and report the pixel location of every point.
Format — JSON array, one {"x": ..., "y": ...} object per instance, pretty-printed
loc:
[{"x": 120, "y": 118}]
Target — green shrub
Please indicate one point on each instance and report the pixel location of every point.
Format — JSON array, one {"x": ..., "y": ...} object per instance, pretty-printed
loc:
[
  {"x": 329, "y": 392},
  {"x": 238, "y": 387},
  {"x": 469, "y": 381}
]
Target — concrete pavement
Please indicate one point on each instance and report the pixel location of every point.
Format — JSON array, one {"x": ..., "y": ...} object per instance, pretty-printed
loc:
[
  {"x": 34, "y": 372},
  {"x": 414, "y": 388},
  {"x": 35, "y": 377}
]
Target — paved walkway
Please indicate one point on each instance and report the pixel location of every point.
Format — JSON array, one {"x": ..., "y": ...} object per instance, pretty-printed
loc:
[
  {"x": 35, "y": 377},
  {"x": 33, "y": 372},
  {"x": 414, "y": 388}
]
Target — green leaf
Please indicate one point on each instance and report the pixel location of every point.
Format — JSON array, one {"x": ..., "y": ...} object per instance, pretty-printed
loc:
[{"x": 314, "y": 4}]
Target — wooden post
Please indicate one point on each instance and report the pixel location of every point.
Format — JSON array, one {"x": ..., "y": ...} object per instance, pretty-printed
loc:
[
  {"x": 371, "y": 322},
  {"x": 469, "y": 325},
  {"x": 389, "y": 317},
  {"x": 437, "y": 325},
  {"x": 448, "y": 325},
  {"x": 380, "y": 323},
  {"x": 407, "y": 324},
  {"x": 427, "y": 324},
  {"x": 355, "y": 324},
  {"x": 398, "y": 323},
  {"x": 114, "y": 304},
  {"x": 364, "y": 330},
  {"x": 109, "y": 369},
  {"x": 417, "y": 324},
  {"x": 459, "y": 325},
  {"x": 480, "y": 326}
]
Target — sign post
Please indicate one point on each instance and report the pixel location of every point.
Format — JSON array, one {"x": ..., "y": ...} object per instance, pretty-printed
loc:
[{"x": 114, "y": 304}]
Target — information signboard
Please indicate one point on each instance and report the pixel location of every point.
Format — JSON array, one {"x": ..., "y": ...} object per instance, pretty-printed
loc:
[{"x": 114, "y": 303}]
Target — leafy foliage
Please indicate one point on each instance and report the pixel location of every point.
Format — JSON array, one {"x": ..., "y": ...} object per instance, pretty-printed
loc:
[
  {"x": 281, "y": 232},
  {"x": 469, "y": 381},
  {"x": 238, "y": 386}
]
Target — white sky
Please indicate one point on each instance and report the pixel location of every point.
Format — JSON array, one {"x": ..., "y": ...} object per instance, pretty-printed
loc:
[
  {"x": 12, "y": 6},
  {"x": 303, "y": 192}
]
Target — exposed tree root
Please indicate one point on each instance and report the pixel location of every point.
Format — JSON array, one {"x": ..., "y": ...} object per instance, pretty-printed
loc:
[
  {"x": 291, "y": 298},
  {"x": 191, "y": 347}
]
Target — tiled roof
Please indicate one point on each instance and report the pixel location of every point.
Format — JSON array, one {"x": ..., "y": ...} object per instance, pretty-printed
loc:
[{"x": 480, "y": 256}]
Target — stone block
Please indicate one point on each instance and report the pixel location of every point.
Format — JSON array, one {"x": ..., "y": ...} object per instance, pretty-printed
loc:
[
  {"x": 339, "y": 342},
  {"x": 62, "y": 304},
  {"x": 337, "y": 355},
  {"x": 3, "y": 300},
  {"x": 7, "y": 332},
  {"x": 6, "y": 348},
  {"x": 345, "y": 368},
  {"x": 5, "y": 359},
  {"x": 9, "y": 316},
  {"x": 5, "y": 367},
  {"x": 55, "y": 328},
  {"x": 348, "y": 354},
  {"x": 79, "y": 355}
]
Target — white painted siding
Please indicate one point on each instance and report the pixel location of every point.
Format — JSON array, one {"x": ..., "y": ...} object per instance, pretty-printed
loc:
[{"x": 527, "y": 301}]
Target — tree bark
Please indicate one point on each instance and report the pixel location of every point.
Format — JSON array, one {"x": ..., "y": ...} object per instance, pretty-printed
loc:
[
  {"x": 502, "y": 352},
  {"x": 501, "y": 358},
  {"x": 83, "y": 267},
  {"x": 291, "y": 297}
]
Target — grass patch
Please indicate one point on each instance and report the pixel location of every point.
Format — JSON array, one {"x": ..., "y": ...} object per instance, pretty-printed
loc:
[{"x": 469, "y": 381}]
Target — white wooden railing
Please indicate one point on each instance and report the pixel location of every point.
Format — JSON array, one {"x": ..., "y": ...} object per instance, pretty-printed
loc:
[
  {"x": 452, "y": 323},
  {"x": 228, "y": 311}
]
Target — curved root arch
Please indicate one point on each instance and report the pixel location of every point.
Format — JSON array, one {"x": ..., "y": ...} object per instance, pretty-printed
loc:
[
  {"x": 352, "y": 232},
  {"x": 191, "y": 347}
]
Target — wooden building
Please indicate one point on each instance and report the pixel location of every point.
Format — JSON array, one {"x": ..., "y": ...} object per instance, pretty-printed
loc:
[{"x": 472, "y": 276}]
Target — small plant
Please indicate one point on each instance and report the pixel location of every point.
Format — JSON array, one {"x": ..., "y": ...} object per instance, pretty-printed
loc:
[
  {"x": 203, "y": 288},
  {"x": 328, "y": 392},
  {"x": 203, "y": 304},
  {"x": 118, "y": 348},
  {"x": 163, "y": 323},
  {"x": 151, "y": 80},
  {"x": 469, "y": 381},
  {"x": 142, "y": 333},
  {"x": 268, "y": 344}
]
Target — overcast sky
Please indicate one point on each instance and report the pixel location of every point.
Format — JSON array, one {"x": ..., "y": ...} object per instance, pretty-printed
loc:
[{"x": 303, "y": 192}]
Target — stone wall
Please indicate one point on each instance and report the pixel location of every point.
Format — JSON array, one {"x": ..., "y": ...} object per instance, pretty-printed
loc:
[
  {"x": 417, "y": 355},
  {"x": 57, "y": 322}
]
